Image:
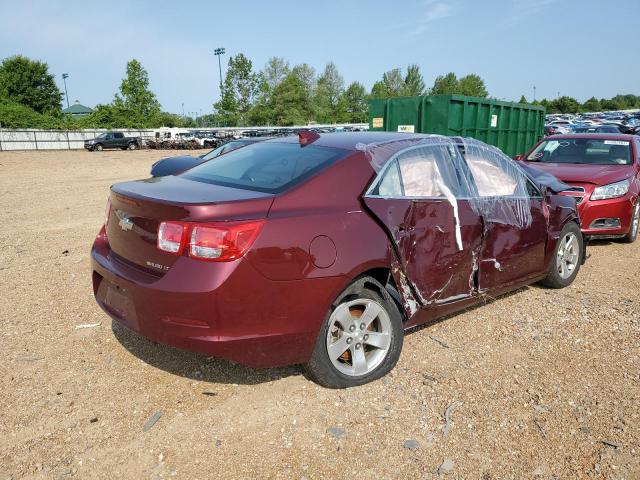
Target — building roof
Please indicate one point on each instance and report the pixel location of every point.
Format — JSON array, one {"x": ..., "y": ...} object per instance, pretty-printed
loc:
[{"x": 78, "y": 109}]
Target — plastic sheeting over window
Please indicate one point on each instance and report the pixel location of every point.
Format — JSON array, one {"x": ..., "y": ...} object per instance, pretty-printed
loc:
[
  {"x": 455, "y": 168},
  {"x": 502, "y": 195}
]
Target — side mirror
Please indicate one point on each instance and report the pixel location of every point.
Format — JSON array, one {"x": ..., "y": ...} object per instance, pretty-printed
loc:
[{"x": 518, "y": 157}]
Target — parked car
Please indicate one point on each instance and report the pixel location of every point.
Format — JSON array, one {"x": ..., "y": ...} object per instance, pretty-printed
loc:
[
  {"x": 322, "y": 249},
  {"x": 603, "y": 171},
  {"x": 112, "y": 140},
  {"x": 178, "y": 164},
  {"x": 597, "y": 129},
  {"x": 622, "y": 128},
  {"x": 551, "y": 130}
]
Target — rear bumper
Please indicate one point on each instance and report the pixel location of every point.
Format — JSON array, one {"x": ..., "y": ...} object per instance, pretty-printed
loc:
[
  {"x": 228, "y": 311},
  {"x": 606, "y": 217}
]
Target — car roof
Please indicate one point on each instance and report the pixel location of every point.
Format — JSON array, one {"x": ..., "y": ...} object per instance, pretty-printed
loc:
[
  {"x": 349, "y": 140},
  {"x": 591, "y": 136}
]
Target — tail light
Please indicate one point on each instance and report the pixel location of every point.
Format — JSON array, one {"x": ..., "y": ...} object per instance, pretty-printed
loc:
[
  {"x": 171, "y": 236},
  {"x": 217, "y": 242}
]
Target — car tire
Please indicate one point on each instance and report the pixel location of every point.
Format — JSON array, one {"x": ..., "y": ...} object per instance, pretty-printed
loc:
[
  {"x": 98, "y": 148},
  {"x": 635, "y": 225},
  {"x": 377, "y": 344},
  {"x": 132, "y": 146},
  {"x": 567, "y": 258}
]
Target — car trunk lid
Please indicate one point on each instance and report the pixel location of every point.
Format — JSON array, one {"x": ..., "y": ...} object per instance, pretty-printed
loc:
[{"x": 138, "y": 208}]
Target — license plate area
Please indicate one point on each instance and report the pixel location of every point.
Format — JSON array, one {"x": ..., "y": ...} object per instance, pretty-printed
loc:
[{"x": 116, "y": 299}]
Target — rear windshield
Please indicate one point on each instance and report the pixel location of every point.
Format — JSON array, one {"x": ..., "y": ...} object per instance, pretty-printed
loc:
[
  {"x": 582, "y": 150},
  {"x": 266, "y": 167},
  {"x": 227, "y": 147}
]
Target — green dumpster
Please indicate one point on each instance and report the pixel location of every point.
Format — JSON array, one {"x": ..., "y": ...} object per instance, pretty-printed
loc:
[{"x": 512, "y": 127}]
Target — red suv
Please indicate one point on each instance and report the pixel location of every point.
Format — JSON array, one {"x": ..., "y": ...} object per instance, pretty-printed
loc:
[
  {"x": 603, "y": 171},
  {"x": 322, "y": 250}
]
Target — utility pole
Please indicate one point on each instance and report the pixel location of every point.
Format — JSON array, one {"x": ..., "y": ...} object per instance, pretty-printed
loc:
[
  {"x": 182, "y": 109},
  {"x": 64, "y": 79},
  {"x": 534, "y": 93}
]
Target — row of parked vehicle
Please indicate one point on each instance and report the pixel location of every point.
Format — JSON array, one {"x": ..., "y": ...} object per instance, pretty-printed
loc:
[
  {"x": 322, "y": 248},
  {"x": 607, "y": 122}
]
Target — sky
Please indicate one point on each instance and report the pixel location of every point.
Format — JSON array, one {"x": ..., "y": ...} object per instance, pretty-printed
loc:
[{"x": 580, "y": 48}]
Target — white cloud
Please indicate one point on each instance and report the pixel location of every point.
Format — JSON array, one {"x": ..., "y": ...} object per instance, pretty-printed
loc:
[{"x": 433, "y": 11}]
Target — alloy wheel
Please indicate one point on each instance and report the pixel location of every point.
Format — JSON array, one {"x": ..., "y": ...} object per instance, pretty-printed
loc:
[
  {"x": 568, "y": 255},
  {"x": 358, "y": 337}
]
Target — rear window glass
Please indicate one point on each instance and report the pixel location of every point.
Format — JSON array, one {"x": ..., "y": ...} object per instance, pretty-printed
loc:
[
  {"x": 266, "y": 167},
  {"x": 582, "y": 150},
  {"x": 227, "y": 147}
]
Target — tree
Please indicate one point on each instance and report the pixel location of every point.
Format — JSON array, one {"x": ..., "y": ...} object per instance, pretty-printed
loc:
[
  {"x": 592, "y": 105},
  {"x": 473, "y": 86},
  {"x": 276, "y": 69},
  {"x": 355, "y": 104},
  {"x": 523, "y": 99},
  {"x": 610, "y": 104},
  {"x": 240, "y": 90},
  {"x": 29, "y": 83},
  {"x": 413, "y": 82},
  {"x": 564, "y": 104},
  {"x": 290, "y": 101},
  {"x": 445, "y": 85},
  {"x": 307, "y": 76},
  {"x": 135, "y": 95},
  {"x": 329, "y": 88}
]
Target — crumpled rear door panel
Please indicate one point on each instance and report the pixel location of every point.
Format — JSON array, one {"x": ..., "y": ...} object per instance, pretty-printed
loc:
[{"x": 424, "y": 234}]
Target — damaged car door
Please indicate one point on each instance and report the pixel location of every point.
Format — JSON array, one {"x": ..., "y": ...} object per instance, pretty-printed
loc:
[
  {"x": 436, "y": 236},
  {"x": 514, "y": 219}
]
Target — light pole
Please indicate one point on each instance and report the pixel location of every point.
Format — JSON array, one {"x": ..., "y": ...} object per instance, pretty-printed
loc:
[
  {"x": 218, "y": 52},
  {"x": 64, "y": 79},
  {"x": 534, "y": 93}
]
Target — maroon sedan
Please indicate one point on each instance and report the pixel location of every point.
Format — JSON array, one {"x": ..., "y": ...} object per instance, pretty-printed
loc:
[
  {"x": 322, "y": 250},
  {"x": 603, "y": 171}
]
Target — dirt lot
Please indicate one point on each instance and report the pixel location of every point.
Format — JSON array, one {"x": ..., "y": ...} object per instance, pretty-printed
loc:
[{"x": 539, "y": 384}]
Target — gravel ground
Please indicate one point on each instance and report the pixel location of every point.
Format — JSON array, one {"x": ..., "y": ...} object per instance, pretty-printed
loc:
[{"x": 537, "y": 384}]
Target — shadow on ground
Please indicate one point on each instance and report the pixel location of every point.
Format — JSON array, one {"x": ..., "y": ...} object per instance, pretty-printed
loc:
[{"x": 194, "y": 365}]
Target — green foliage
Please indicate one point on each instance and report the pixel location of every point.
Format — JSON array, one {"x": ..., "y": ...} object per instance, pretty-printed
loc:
[
  {"x": 29, "y": 83},
  {"x": 329, "y": 88},
  {"x": 413, "y": 82},
  {"x": 473, "y": 86},
  {"x": 445, "y": 85},
  {"x": 135, "y": 95},
  {"x": 290, "y": 102},
  {"x": 592, "y": 105},
  {"x": 239, "y": 91},
  {"x": 564, "y": 104},
  {"x": 277, "y": 95},
  {"x": 391, "y": 85},
  {"x": 275, "y": 71},
  {"x": 355, "y": 103},
  {"x": 14, "y": 115},
  {"x": 523, "y": 99}
]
